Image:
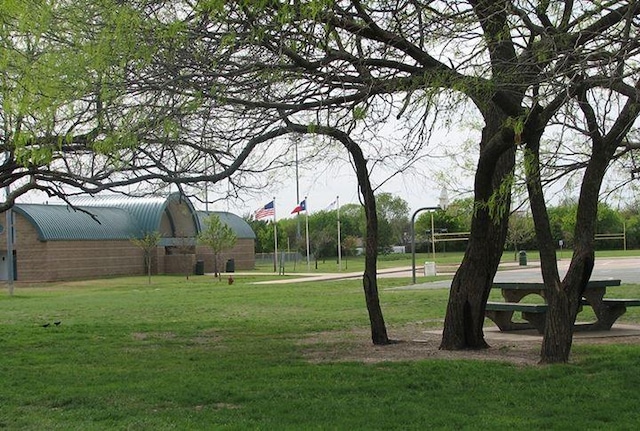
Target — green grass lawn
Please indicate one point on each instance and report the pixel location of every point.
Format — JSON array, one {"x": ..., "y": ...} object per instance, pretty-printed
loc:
[{"x": 200, "y": 354}]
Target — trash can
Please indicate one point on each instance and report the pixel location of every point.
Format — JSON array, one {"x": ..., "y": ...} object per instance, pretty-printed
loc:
[
  {"x": 429, "y": 269},
  {"x": 200, "y": 267},
  {"x": 231, "y": 266},
  {"x": 522, "y": 257}
]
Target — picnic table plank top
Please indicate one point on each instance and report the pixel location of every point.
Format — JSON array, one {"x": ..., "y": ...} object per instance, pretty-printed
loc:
[{"x": 516, "y": 285}]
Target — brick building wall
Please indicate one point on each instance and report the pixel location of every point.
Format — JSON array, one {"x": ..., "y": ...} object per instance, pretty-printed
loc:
[
  {"x": 45, "y": 261},
  {"x": 67, "y": 260},
  {"x": 243, "y": 254}
]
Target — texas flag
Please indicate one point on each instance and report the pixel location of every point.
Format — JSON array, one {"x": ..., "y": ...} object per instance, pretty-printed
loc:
[{"x": 301, "y": 207}]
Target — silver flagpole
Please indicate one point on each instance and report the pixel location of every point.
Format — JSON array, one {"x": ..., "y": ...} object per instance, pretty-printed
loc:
[
  {"x": 275, "y": 238},
  {"x": 297, "y": 194},
  {"x": 306, "y": 212}
]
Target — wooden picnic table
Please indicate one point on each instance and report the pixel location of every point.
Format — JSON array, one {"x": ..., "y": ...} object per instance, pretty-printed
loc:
[
  {"x": 515, "y": 291},
  {"x": 607, "y": 310}
]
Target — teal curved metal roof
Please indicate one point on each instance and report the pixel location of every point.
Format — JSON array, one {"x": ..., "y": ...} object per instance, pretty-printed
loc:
[
  {"x": 62, "y": 222},
  {"x": 240, "y": 227},
  {"x": 115, "y": 217},
  {"x": 146, "y": 210}
]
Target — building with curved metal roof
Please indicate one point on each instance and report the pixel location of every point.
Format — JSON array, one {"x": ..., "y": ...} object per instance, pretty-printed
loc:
[
  {"x": 92, "y": 238},
  {"x": 172, "y": 216},
  {"x": 240, "y": 227},
  {"x": 243, "y": 254},
  {"x": 64, "y": 223}
]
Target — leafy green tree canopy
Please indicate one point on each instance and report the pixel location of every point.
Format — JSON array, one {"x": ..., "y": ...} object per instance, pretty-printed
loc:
[{"x": 218, "y": 236}]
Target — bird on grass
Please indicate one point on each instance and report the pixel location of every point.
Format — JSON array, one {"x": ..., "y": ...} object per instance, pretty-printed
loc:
[{"x": 57, "y": 323}]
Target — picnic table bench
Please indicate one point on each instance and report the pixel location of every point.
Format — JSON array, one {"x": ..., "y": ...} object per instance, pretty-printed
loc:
[
  {"x": 502, "y": 315},
  {"x": 607, "y": 310}
]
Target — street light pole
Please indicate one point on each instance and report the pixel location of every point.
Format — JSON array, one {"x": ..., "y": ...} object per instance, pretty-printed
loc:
[
  {"x": 433, "y": 239},
  {"x": 413, "y": 238}
]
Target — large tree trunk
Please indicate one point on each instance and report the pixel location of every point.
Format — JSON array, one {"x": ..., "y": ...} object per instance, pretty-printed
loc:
[
  {"x": 369, "y": 280},
  {"x": 472, "y": 282},
  {"x": 564, "y": 297},
  {"x": 469, "y": 292},
  {"x": 564, "y": 301},
  {"x": 558, "y": 316}
]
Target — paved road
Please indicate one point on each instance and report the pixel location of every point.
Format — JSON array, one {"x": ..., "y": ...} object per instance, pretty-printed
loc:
[{"x": 625, "y": 269}]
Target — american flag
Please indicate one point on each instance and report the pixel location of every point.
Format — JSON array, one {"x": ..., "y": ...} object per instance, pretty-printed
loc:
[{"x": 268, "y": 210}]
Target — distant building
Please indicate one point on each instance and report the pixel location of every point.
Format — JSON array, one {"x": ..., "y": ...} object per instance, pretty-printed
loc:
[
  {"x": 243, "y": 253},
  {"x": 57, "y": 242}
]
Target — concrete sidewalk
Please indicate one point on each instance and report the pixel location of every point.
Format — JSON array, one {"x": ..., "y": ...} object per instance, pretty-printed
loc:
[
  {"x": 401, "y": 271},
  {"x": 303, "y": 277}
]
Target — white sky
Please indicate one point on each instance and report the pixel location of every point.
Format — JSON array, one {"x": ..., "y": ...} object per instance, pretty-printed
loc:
[
  {"x": 321, "y": 186},
  {"x": 321, "y": 183}
]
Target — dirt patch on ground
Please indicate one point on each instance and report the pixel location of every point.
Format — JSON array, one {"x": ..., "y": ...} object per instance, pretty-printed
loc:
[
  {"x": 142, "y": 336},
  {"x": 413, "y": 342}
]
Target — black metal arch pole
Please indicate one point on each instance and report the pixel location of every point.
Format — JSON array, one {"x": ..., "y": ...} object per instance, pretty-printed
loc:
[{"x": 413, "y": 239}]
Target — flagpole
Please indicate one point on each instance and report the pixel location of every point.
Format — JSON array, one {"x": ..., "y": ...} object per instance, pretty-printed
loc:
[
  {"x": 275, "y": 238},
  {"x": 297, "y": 194},
  {"x": 306, "y": 212},
  {"x": 339, "y": 245}
]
